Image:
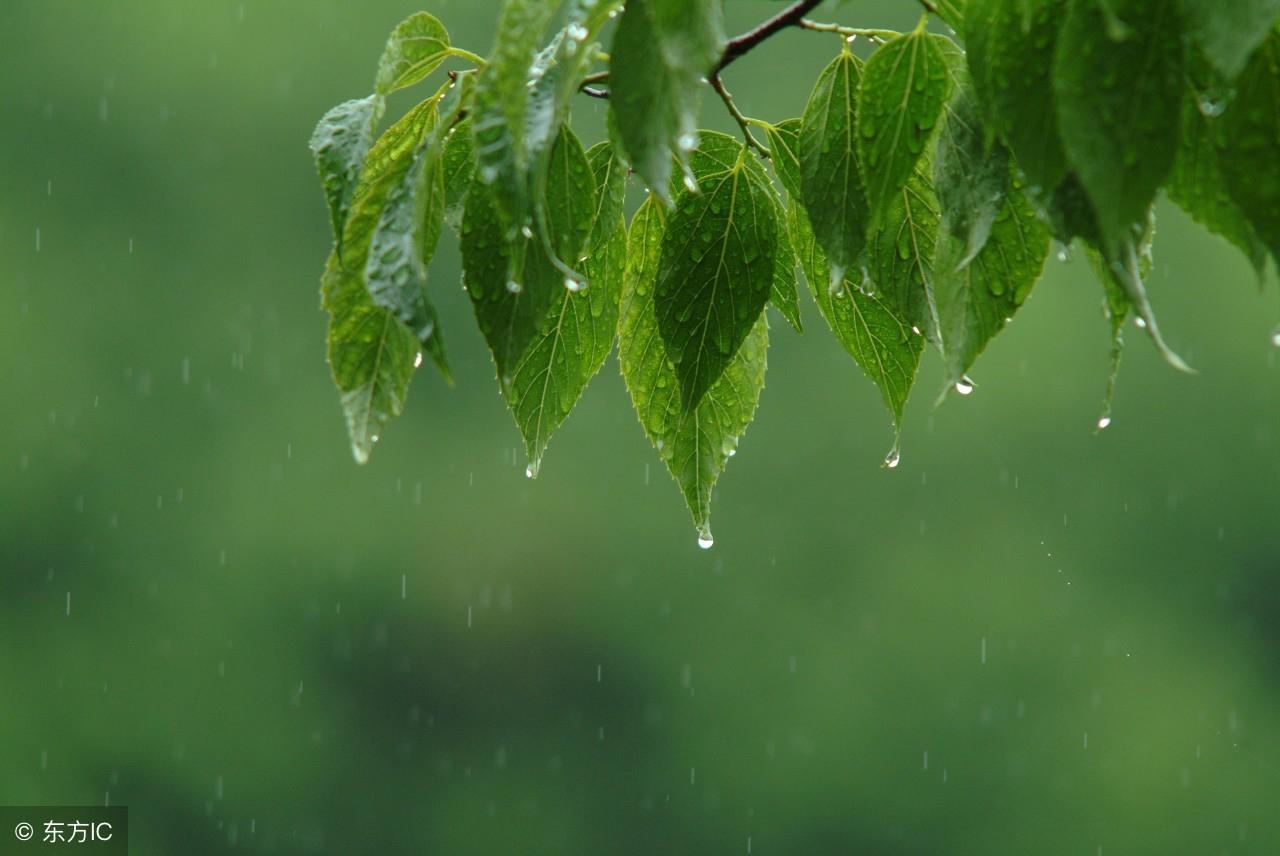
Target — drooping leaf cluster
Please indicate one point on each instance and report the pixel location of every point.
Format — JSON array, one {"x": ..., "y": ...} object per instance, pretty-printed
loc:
[{"x": 917, "y": 192}]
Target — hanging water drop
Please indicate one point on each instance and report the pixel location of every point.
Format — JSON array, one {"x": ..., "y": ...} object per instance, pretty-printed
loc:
[
  {"x": 690, "y": 183},
  {"x": 1140, "y": 321},
  {"x": 526, "y": 231},
  {"x": 513, "y": 286},
  {"x": 574, "y": 285},
  {"x": 705, "y": 541},
  {"x": 1275, "y": 337},
  {"x": 1104, "y": 422},
  {"x": 891, "y": 460},
  {"x": 417, "y": 360},
  {"x": 964, "y": 386},
  {"x": 687, "y": 142}
]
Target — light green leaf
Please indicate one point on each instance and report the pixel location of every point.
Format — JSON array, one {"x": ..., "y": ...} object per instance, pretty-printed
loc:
[
  {"x": 339, "y": 145},
  {"x": 783, "y": 293},
  {"x": 1198, "y": 185},
  {"x": 952, "y": 13},
  {"x": 830, "y": 179},
  {"x": 904, "y": 85},
  {"x": 1249, "y": 147},
  {"x": 1118, "y": 80},
  {"x": 661, "y": 51},
  {"x": 873, "y": 332},
  {"x": 717, "y": 264},
  {"x": 501, "y": 102},
  {"x": 1229, "y": 31},
  {"x": 976, "y": 300},
  {"x": 900, "y": 252},
  {"x": 695, "y": 446},
  {"x": 512, "y": 312},
  {"x": 611, "y": 189},
  {"x": 371, "y": 354},
  {"x": 415, "y": 48},
  {"x": 1011, "y": 45},
  {"x": 459, "y": 170},
  {"x": 1127, "y": 270},
  {"x": 784, "y": 144},
  {"x": 971, "y": 178}
]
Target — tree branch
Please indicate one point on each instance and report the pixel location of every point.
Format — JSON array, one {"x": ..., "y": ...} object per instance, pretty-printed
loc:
[{"x": 744, "y": 43}]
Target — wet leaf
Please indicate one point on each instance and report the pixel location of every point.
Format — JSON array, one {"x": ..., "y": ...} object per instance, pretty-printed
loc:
[
  {"x": 1010, "y": 48},
  {"x": 512, "y": 312},
  {"x": 783, "y": 294},
  {"x": 904, "y": 86},
  {"x": 415, "y": 48},
  {"x": 900, "y": 255},
  {"x": 1229, "y": 32},
  {"x": 501, "y": 102},
  {"x": 694, "y": 446},
  {"x": 717, "y": 264},
  {"x": 1118, "y": 82},
  {"x": 661, "y": 51},
  {"x": 830, "y": 179},
  {"x": 610, "y": 176},
  {"x": 784, "y": 144},
  {"x": 871, "y": 330},
  {"x": 976, "y": 300},
  {"x": 970, "y": 177},
  {"x": 339, "y": 144},
  {"x": 459, "y": 170},
  {"x": 1250, "y": 143}
]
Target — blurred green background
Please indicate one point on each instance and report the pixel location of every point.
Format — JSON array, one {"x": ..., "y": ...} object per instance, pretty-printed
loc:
[{"x": 1028, "y": 638}]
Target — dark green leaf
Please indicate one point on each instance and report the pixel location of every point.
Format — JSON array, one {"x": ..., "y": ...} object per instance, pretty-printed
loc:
[
  {"x": 501, "y": 101},
  {"x": 696, "y": 446},
  {"x": 661, "y": 52},
  {"x": 1197, "y": 183},
  {"x": 970, "y": 177},
  {"x": 976, "y": 300},
  {"x": 371, "y": 354},
  {"x": 512, "y": 312},
  {"x": 1229, "y": 30},
  {"x": 873, "y": 332},
  {"x": 339, "y": 145},
  {"x": 904, "y": 86},
  {"x": 1118, "y": 81},
  {"x": 415, "y": 48},
  {"x": 830, "y": 179},
  {"x": 717, "y": 264},
  {"x": 1011, "y": 47},
  {"x": 1250, "y": 144},
  {"x": 784, "y": 144}
]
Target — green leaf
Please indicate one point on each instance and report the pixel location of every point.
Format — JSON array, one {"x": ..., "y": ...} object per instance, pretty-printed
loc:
[
  {"x": 1229, "y": 32},
  {"x": 975, "y": 300},
  {"x": 717, "y": 264},
  {"x": 783, "y": 293},
  {"x": 784, "y": 144},
  {"x": 1118, "y": 84},
  {"x": 830, "y": 179},
  {"x": 339, "y": 145},
  {"x": 371, "y": 354},
  {"x": 661, "y": 51},
  {"x": 900, "y": 255},
  {"x": 415, "y": 48},
  {"x": 459, "y": 170},
  {"x": 970, "y": 177},
  {"x": 952, "y": 13},
  {"x": 868, "y": 327},
  {"x": 1011, "y": 46},
  {"x": 904, "y": 86},
  {"x": 696, "y": 446},
  {"x": 501, "y": 103},
  {"x": 1250, "y": 143},
  {"x": 1199, "y": 187},
  {"x": 1123, "y": 274},
  {"x": 611, "y": 189},
  {"x": 555, "y": 369},
  {"x": 512, "y": 312}
]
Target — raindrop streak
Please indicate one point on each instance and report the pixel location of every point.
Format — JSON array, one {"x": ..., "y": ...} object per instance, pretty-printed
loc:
[
  {"x": 984, "y": 650},
  {"x": 68, "y": 603},
  {"x": 404, "y": 586},
  {"x": 37, "y": 239}
]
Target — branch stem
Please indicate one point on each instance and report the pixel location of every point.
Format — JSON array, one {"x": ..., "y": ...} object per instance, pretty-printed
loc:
[{"x": 744, "y": 122}]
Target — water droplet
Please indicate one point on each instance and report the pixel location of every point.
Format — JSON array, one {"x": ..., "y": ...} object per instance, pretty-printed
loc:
[
  {"x": 1104, "y": 422},
  {"x": 705, "y": 541},
  {"x": 690, "y": 183},
  {"x": 513, "y": 286},
  {"x": 687, "y": 142},
  {"x": 488, "y": 174},
  {"x": 526, "y": 231},
  {"x": 964, "y": 386},
  {"x": 417, "y": 360},
  {"x": 891, "y": 460},
  {"x": 577, "y": 32},
  {"x": 1275, "y": 337},
  {"x": 531, "y": 471},
  {"x": 1140, "y": 321},
  {"x": 574, "y": 285}
]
